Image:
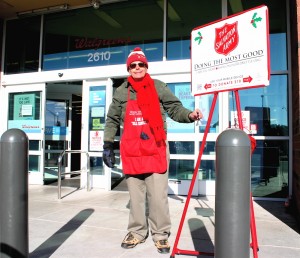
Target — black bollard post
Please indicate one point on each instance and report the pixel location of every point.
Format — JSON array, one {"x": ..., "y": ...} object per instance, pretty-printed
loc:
[
  {"x": 232, "y": 219},
  {"x": 14, "y": 194}
]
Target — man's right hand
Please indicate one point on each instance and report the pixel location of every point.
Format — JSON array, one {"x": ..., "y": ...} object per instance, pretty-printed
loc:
[{"x": 108, "y": 154}]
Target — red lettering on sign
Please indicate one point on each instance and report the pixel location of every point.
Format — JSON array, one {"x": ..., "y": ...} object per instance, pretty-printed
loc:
[{"x": 95, "y": 43}]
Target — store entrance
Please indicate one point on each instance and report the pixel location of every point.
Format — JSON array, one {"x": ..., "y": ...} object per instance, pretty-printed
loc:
[{"x": 62, "y": 128}]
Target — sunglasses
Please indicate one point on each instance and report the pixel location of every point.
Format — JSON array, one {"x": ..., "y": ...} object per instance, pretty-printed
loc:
[{"x": 132, "y": 66}]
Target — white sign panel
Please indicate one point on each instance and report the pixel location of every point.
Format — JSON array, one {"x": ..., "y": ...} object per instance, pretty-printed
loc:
[
  {"x": 96, "y": 140},
  {"x": 232, "y": 53},
  {"x": 26, "y": 110}
]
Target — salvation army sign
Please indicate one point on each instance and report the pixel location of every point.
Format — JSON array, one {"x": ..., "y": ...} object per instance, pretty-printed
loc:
[
  {"x": 224, "y": 44},
  {"x": 231, "y": 53}
]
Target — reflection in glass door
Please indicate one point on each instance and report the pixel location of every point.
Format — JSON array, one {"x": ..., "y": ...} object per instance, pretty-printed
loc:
[{"x": 57, "y": 136}]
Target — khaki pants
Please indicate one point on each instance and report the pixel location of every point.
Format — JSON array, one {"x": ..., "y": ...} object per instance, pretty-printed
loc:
[
  {"x": 149, "y": 206},
  {"x": 154, "y": 189}
]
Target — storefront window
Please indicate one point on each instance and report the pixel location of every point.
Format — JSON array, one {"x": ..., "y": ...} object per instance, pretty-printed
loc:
[
  {"x": 183, "y": 92},
  {"x": 178, "y": 147},
  {"x": 181, "y": 169},
  {"x": 277, "y": 26},
  {"x": 183, "y": 17},
  {"x": 205, "y": 104},
  {"x": 22, "y": 45},
  {"x": 269, "y": 169},
  {"x": 278, "y": 51},
  {"x": 267, "y": 108},
  {"x": 184, "y": 170},
  {"x": 105, "y": 36},
  {"x": 209, "y": 148},
  {"x": 34, "y": 163},
  {"x": 88, "y": 37},
  {"x": 34, "y": 145},
  {"x": 207, "y": 170}
]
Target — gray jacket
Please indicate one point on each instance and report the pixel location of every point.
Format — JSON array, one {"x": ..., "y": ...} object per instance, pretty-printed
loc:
[{"x": 169, "y": 104}]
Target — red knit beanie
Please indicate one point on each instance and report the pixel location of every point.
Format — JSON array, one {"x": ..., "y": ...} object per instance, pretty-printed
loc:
[{"x": 136, "y": 55}]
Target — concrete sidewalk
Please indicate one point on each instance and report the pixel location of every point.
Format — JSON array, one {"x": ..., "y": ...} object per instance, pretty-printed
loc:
[{"x": 93, "y": 224}]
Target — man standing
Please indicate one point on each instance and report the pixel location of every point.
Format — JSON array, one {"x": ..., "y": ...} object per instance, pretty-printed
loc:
[{"x": 139, "y": 106}]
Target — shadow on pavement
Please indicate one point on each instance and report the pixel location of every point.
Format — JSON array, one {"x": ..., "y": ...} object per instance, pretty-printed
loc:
[
  {"x": 201, "y": 239},
  {"x": 279, "y": 210},
  {"x": 47, "y": 248}
]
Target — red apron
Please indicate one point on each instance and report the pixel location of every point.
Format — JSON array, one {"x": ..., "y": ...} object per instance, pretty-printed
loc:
[{"x": 139, "y": 151}]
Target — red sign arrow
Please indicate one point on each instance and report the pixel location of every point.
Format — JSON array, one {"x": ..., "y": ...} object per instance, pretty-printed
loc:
[
  {"x": 247, "y": 79},
  {"x": 207, "y": 86}
]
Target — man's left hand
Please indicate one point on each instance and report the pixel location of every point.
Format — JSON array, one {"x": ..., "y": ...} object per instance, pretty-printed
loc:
[{"x": 196, "y": 115}]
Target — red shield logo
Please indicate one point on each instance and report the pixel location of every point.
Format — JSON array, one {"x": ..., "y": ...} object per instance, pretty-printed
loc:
[{"x": 227, "y": 38}]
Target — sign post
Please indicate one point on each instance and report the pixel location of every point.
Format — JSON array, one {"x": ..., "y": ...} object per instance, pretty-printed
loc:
[{"x": 228, "y": 55}]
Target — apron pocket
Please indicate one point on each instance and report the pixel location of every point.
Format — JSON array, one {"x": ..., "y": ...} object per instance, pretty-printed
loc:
[
  {"x": 148, "y": 147},
  {"x": 138, "y": 147},
  {"x": 130, "y": 148}
]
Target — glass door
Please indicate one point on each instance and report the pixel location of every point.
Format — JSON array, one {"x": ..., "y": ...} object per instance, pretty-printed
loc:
[
  {"x": 26, "y": 112},
  {"x": 97, "y": 95},
  {"x": 57, "y": 134}
]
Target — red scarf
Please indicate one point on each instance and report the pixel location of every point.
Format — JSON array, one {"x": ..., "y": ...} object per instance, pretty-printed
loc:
[{"x": 148, "y": 102}]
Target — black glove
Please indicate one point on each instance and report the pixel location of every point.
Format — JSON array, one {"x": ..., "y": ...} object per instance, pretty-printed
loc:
[{"x": 108, "y": 154}]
